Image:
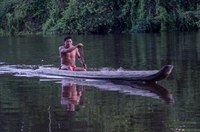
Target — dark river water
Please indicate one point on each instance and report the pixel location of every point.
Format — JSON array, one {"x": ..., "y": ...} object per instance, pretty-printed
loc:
[{"x": 40, "y": 104}]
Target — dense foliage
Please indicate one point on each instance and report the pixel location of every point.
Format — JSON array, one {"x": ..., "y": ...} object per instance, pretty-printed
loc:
[{"x": 102, "y": 16}]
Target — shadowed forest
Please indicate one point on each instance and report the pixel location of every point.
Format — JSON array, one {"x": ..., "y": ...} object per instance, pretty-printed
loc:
[{"x": 19, "y": 17}]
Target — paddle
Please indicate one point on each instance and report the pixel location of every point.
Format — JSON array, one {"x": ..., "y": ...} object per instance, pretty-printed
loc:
[{"x": 82, "y": 57}]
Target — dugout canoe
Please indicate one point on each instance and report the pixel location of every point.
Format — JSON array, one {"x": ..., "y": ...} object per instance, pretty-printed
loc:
[{"x": 147, "y": 76}]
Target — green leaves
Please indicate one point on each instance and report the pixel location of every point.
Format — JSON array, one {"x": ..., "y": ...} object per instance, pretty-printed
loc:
[{"x": 102, "y": 16}]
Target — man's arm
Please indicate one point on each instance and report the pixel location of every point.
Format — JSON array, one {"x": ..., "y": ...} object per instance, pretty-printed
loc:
[
  {"x": 80, "y": 59},
  {"x": 62, "y": 49}
]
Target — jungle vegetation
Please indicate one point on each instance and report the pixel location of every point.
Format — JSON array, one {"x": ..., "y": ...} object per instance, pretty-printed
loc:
[{"x": 97, "y": 17}]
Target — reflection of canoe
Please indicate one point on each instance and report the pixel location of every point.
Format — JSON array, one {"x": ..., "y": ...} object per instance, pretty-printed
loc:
[
  {"x": 152, "y": 90},
  {"x": 148, "y": 76},
  {"x": 151, "y": 87}
]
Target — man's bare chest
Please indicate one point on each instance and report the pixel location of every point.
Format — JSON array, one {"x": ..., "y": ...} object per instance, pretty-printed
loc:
[{"x": 71, "y": 54}]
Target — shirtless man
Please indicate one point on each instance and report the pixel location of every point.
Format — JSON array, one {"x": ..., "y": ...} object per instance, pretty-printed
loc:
[{"x": 68, "y": 53}]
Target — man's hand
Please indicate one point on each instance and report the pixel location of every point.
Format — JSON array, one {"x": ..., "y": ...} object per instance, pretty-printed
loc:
[
  {"x": 84, "y": 66},
  {"x": 79, "y": 45}
]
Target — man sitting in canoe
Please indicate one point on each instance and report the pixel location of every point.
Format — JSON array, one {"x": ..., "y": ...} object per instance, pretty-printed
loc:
[{"x": 68, "y": 53}]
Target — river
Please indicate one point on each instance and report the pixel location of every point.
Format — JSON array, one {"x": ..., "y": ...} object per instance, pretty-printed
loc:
[{"x": 38, "y": 104}]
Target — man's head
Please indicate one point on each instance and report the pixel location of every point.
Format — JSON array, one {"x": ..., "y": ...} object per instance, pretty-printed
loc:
[{"x": 68, "y": 41}]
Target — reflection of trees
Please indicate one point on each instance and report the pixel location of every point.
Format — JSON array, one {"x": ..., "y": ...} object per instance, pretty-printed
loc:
[
  {"x": 116, "y": 112},
  {"x": 24, "y": 104},
  {"x": 183, "y": 51},
  {"x": 151, "y": 51},
  {"x": 17, "y": 50},
  {"x": 109, "y": 111},
  {"x": 36, "y": 107}
]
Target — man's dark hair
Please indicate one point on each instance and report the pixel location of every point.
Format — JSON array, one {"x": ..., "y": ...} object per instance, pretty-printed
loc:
[{"x": 66, "y": 38}]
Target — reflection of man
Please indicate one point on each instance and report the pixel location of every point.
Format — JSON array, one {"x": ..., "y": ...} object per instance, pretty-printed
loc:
[{"x": 71, "y": 96}]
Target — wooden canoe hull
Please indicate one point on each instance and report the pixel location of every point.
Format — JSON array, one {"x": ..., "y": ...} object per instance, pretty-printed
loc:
[{"x": 147, "y": 76}]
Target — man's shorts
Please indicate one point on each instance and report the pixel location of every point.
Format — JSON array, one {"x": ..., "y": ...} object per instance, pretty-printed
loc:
[{"x": 66, "y": 67}]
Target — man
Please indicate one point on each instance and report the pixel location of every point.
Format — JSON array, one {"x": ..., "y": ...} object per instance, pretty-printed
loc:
[{"x": 68, "y": 53}]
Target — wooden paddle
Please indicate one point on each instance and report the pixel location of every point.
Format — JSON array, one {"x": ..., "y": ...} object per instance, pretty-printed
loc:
[{"x": 82, "y": 57}]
